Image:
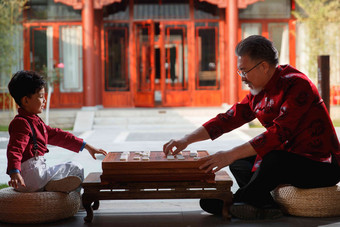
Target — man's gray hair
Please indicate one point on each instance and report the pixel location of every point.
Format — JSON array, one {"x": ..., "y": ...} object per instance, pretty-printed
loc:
[{"x": 258, "y": 48}]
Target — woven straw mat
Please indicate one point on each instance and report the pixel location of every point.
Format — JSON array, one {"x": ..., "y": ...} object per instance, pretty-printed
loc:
[
  {"x": 37, "y": 207},
  {"x": 316, "y": 202}
]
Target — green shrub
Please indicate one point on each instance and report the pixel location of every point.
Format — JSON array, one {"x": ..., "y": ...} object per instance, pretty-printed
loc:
[
  {"x": 3, "y": 186},
  {"x": 3, "y": 128}
]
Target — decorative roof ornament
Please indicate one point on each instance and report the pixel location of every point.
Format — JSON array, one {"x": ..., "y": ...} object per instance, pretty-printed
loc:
[
  {"x": 99, "y": 4},
  {"x": 78, "y": 4},
  {"x": 242, "y": 4}
]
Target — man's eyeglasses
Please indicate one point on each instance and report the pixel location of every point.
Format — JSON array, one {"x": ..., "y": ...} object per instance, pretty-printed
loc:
[{"x": 244, "y": 73}]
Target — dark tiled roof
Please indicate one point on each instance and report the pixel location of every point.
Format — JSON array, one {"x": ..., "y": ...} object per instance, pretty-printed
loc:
[{"x": 163, "y": 11}]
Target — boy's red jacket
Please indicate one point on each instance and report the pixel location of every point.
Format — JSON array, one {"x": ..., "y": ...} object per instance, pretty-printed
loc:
[{"x": 20, "y": 146}]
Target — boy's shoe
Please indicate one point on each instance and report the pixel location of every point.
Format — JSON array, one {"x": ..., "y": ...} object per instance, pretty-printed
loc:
[
  {"x": 81, "y": 207},
  {"x": 249, "y": 212},
  {"x": 66, "y": 184}
]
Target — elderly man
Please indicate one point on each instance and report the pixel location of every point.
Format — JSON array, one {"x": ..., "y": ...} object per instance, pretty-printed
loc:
[{"x": 299, "y": 147}]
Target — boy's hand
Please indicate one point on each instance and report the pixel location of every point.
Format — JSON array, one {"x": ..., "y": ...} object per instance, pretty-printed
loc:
[
  {"x": 16, "y": 180},
  {"x": 94, "y": 151}
]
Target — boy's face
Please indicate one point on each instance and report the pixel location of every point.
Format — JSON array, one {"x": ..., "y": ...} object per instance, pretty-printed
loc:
[{"x": 36, "y": 103}]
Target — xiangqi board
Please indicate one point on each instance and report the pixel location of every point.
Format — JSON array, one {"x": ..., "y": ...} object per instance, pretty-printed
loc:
[{"x": 154, "y": 166}]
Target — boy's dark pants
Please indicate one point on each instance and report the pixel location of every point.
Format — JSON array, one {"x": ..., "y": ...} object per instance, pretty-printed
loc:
[{"x": 277, "y": 167}]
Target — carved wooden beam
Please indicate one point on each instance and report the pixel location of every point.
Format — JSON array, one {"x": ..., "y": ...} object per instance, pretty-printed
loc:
[
  {"x": 242, "y": 4},
  {"x": 78, "y": 4},
  {"x": 223, "y": 3}
]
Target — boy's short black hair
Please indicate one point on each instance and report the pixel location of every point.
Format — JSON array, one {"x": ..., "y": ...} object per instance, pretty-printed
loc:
[
  {"x": 258, "y": 48},
  {"x": 25, "y": 83}
]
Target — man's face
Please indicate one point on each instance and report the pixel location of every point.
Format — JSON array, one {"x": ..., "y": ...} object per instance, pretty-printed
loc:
[
  {"x": 36, "y": 103},
  {"x": 253, "y": 73}
]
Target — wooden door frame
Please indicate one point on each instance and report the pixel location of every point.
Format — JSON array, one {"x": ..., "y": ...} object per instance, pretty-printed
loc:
[
  {"x": 209, "y": 95},
  {"x": 217, "y": 44},
  {"x": 145, "y": 98},
  {"x": 176, "y": 97},
  {"x": 57, "y": 96},
  {"x": 117, "y": 98}
]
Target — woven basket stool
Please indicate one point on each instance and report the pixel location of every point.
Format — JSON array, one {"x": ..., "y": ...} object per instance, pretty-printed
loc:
[
  {"x": 316, "y": 202},
  {"x": 37, "y": 207}
]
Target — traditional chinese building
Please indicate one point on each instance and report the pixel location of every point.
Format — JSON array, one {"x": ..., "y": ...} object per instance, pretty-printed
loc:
[{"x": 150, "y": 53}]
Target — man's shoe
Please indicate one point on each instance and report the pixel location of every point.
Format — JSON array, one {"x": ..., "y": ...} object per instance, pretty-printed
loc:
[
  {"x": 249, "y": 212},
  {"x": 66, "y": 184},
  {"x": 212, "y": 206}
]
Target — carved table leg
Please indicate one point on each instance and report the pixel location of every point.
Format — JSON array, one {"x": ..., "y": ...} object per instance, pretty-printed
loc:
[
  {"x": 95, "y": 205},
  {"x": 225, "y": 211},
  {"x": 87, "y": 205}
]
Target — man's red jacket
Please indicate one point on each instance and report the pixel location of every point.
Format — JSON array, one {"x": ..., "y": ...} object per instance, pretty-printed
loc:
[{"x": 292, "y": 111}]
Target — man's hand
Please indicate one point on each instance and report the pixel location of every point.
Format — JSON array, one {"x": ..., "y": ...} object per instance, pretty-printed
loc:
[
  {"x": 180, "y": 145},
  {"x": 222, "y": 159},
  {"x": 16, "y": 180},
  {"x": 199, "y": 134},
  {"x": 215, "y": 162},
  {"x": 94, "y": 151}
]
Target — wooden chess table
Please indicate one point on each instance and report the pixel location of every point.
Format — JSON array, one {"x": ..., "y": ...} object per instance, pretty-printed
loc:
[
  {"x": 155, "y": 167},
  {"x": 107, "y": 186}
]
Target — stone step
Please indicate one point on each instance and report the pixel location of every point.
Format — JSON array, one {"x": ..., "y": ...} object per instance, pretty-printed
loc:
[
  {"x": 154, "y": 116},
  {"x": 153, "y": 112},
  {"x": 84, "y": 121},
  {"x": 160, "y": 119},
  {"x": 147, "y": 120}
]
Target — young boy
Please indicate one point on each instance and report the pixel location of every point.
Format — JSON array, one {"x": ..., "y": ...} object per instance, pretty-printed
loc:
[{"x": 29, "y": 137}]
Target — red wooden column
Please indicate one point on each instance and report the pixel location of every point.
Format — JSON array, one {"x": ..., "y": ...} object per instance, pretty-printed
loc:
[
  {"x": 232, "y": 23},
  {"x": 98, "y": 60},
  {"x": 88, "y": 48}
]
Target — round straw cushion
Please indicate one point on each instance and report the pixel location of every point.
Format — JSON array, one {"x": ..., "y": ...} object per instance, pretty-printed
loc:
[
  {"x": 315, "y": 202},
  {"x": 37, "y": 207}
]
